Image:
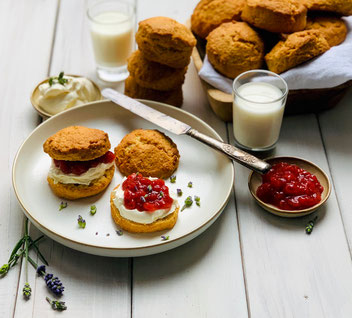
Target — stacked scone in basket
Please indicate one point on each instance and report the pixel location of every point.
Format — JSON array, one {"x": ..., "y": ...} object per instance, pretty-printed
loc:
[
  {"x": 247, "y": 34},
  {"x": 157, "y": 69}
]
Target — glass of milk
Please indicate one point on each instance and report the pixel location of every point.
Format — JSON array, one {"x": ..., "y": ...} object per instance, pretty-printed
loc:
[
  {"x": 112, "y": 26},
  {"x": 259, "y": 99}
]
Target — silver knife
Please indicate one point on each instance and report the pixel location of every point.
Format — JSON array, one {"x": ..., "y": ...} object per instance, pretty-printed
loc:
[{"x": 179, "y": 128}]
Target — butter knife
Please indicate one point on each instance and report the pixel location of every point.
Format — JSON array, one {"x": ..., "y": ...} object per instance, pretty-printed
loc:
[{"x": 179, "y": 128}]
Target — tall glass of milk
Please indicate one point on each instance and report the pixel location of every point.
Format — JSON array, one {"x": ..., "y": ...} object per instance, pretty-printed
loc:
[
  {"x": 259, "y": 99},
  {"x": 112, "y": 26}
]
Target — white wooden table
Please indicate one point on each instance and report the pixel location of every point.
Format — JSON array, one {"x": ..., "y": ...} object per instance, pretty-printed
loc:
[{"x": 248, "y": 264}]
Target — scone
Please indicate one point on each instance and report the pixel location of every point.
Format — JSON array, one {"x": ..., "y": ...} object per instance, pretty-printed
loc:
[
  {"x": 149, "y": 152},
  {"x": 209, "y": 14},
  {"x": 82, "y": 164},
  {"x": 280, "y": 16},
  {"x": 341, "y": 7},
  {"x": 143, "y": 205},
  {"x": 173, "y": 97},
  {"x": 233, "y": 48},
  {"x": 298, "y": 48},
  {"x": 333, "y": 28},
  {"x": 153, "y": 75},
  {"x": 165, "y": 41}
]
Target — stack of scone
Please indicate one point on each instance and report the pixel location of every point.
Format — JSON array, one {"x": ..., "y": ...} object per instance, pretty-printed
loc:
[
  {"x": 245, "y": 34},
  {"x": 157, "y": 69}
]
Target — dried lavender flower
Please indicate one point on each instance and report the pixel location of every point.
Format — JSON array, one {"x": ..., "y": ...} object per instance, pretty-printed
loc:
[{"x": 81, "y": 222}]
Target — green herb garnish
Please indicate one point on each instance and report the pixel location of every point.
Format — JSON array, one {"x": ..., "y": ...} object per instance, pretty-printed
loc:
[
  {"x": 149, "y": 188},
  {"x": 119, "y": 232},
  {"x": 63, "y": 205},
  {"x": 173, "y": 179},
  {"x": 161, "y": 193},
  {"x": 93, "y": 209},
  {"x": 81, "y": 222},
  {"x": 59, "y": 79},
  {"x": 197, "y": 199},
  {"x": 56, "y": 305},
  {"x": 190, "y": 184},
  {"x": 310, "y": 225},
  {"x": 165, "y": 238},
  {"x": 179, "y": 192},
  {"x": 188, "y": 203}
]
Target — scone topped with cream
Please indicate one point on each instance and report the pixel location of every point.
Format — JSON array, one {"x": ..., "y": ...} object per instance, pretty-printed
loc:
[
  {"x": 82, "y": 164},
  {"x": 142, "y": 205}
]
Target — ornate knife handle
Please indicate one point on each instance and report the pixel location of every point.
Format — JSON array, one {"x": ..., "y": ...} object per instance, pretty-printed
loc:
[{"x": 234, "y": 153}]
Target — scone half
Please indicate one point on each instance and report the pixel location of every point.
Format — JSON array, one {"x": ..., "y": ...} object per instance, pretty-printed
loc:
[{"x": 165, "y": 223}]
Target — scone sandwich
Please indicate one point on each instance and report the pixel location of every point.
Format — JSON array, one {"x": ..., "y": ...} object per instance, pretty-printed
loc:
[
  {"x": 82, "y": 164},
  {"x": 142, "y": 205}
]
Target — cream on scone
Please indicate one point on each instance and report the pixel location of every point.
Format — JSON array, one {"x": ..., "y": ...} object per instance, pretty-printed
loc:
[
  {"x": 142, "y": 205},
  {"x": 82, "y": 164}
]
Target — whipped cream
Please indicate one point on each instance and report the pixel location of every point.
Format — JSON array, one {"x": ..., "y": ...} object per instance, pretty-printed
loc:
[
  {"x": 57, "y": 97},
  {"x": 85, "y": 178},
  {"x": 143, "y": 217}
]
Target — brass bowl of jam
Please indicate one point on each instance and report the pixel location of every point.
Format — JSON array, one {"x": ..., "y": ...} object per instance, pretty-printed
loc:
[{"x": 294, "y": 187}]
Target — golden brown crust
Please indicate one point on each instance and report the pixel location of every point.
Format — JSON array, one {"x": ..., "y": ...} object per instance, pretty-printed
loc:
[
  {"x": 341, "y": 7},
  {"x": 165, "y": 223},
  {"x": 234, "y": 47},
  {"x": 280, "y": 16},
  {"x": 298, "y": 48},
  {"x": 165, "y": 41},
  {"x": 77, "y": 191},
  {"x": 77, "y": 143},
  {"x": 333, "y": 28},
  {"x": 209, "y": 14},
  {"x": 153, "y": 75},
  {"x": 173, "y": 97},
  {"x": 149, "y": 152}
]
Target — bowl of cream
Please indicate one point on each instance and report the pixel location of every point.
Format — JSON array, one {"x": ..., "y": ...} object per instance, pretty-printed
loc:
[{"x": 58, "y": 93}]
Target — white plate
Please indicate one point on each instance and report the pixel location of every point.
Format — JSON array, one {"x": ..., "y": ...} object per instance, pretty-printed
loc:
[{"x": 212, "y": 175}]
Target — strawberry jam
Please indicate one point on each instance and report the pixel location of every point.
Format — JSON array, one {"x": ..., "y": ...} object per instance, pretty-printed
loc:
[
  {"x": 290, "y": 187},
  {"x": 144, "y": 194},
  {"x": 79, "y": 167}
]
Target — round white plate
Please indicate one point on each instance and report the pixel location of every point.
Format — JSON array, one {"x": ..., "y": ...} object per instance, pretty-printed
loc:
[{"x": 212, "y": 175}]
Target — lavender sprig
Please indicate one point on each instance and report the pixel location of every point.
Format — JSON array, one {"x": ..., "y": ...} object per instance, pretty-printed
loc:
[
  {"x": 27, "y": 291},
  {"x": 190, "y": 184},
  {"x": 56, "y": 305},
  {"x": 119, "y": 232},
  {"x": 53, "y": 283},
  {"x": 179, "y": 192},
  {"x": 81, "y": 222},
  {"x": 188, "y": 203},
  {"x": 165, "y": 238},
  {"x": 197, "y": 200},
  {"x": 173, "y": 179},
  {"x": 93, "y": 209},
  {"x": 63, "y": 205}
]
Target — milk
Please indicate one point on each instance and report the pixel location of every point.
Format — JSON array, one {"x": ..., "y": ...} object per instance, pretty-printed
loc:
[
  {"x": 112, "y": 36},
  {"x": 257, "y": 116}
]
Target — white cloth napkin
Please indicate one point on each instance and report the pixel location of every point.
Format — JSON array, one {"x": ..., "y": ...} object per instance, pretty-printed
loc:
[{"x": 330, "y": 69}]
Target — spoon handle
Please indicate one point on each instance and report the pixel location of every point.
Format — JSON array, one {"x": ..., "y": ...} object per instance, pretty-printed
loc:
[{"x": 233, "y": 152}]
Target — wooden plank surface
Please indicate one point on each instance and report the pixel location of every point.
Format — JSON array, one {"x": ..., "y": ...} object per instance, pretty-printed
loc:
[
  {"x": 337, "y": 136},
  {"x": 26, "y": 31},
  {"x": 288, "y": 273}
]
